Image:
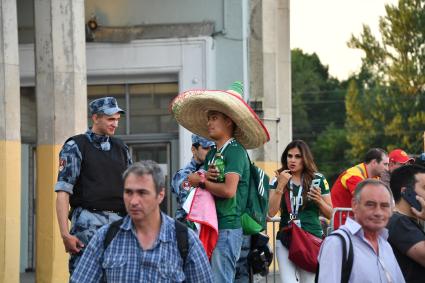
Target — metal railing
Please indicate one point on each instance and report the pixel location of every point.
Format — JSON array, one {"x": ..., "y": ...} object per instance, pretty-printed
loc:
[
  {"x": 272, "y": 235},
  {"x": 339, "y": 211}
]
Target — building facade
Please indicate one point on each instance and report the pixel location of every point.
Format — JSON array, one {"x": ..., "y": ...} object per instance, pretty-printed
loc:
[{"x": 60, "y": 54}]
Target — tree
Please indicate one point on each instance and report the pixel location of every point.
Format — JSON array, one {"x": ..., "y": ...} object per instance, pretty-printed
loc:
[
  {"x": 363, "y": 122},
  {"x": 318, "y": 111},
  {"x": 385, "y": 107},
  {"x": 317, "y": 99},
  {"x": 330, "y": 149}
]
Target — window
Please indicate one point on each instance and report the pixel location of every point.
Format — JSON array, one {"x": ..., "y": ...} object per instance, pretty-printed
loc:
[
  {"x": 146, "y": 106},
  {"x": 117, "y": 91}
]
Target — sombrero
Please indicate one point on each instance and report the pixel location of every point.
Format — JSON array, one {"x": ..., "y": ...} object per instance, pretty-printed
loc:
[{"x": 191, "y": 109}]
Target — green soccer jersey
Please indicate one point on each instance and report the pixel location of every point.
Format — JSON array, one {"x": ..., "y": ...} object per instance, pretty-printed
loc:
[
  {"x": 229, "y": 210},
  {"x": 309, "y": 213}
]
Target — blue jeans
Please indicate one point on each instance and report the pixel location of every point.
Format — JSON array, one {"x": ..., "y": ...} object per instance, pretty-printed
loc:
[
  {"x": 242, "y": 268},
  {"x": 226, "y": 254}
]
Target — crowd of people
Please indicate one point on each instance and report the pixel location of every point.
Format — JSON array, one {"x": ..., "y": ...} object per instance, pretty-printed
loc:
[{"x": 118, "y": 232}]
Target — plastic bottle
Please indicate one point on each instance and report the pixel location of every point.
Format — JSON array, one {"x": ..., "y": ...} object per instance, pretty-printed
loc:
[{"x": 219, "y": 164}]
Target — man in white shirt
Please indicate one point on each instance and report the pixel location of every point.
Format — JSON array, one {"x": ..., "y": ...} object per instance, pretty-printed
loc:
[{"x": 374, "y": 260}]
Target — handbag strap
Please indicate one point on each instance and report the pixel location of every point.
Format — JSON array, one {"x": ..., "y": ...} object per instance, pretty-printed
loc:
[
  {"x": 289, "y": 207},
  {"x": 288, "y": 202}
]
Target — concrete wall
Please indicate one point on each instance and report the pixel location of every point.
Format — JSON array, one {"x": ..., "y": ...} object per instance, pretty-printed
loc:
[
  {"x": 138, "y": 12},
  {"x": 230, "y": 19}
]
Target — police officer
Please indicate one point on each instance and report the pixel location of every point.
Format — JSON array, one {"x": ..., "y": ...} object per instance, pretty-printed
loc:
[
  {"x": 179, "y": 184},
  {"x": 89, "y": 179}
]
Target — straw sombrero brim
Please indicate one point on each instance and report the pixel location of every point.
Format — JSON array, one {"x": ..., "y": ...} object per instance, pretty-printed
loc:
[{"x": 191, "y": 109}]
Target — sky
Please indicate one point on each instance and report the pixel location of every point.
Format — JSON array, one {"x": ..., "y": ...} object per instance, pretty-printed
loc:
[{"x": 325, "y": 26}]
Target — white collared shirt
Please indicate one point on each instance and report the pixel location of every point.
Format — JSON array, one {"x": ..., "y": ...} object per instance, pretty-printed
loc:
[{"x": 368, "y": 266}]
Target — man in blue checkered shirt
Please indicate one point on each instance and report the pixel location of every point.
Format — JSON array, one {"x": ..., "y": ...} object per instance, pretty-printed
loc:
[{"x": 145, "y": 247}]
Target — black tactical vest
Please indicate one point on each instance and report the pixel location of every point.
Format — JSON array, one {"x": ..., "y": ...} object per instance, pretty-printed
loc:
[{"x": 100, "y": 185}]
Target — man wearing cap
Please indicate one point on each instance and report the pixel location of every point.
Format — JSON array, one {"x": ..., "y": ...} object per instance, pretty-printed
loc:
[
  {"x": 179, "y": 185},
  {"x": 89, "y": 179},
  {"x": 397, "y": 158},
  {"x": 224, "y": 117}
]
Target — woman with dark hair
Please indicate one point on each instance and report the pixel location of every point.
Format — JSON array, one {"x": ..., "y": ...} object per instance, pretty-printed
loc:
[{"x": 309, "y": 196}]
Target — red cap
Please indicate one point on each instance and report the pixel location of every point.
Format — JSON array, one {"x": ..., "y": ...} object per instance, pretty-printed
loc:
[{"x": 399, "y": 156}]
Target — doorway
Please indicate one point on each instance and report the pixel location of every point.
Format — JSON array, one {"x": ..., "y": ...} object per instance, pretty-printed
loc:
[
  {"x": 147, "y": 127},
  {"x": 160, "y": 153}
]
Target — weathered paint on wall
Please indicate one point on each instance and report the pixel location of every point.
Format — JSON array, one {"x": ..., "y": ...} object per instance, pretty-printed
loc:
[
  {"x": 230, "y": 18},
  {"x": 138, "y": 12}
]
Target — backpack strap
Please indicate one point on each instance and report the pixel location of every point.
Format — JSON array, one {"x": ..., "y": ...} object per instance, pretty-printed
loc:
[
  {"x": 112, "y": 232},
  {"x": 182, "y": 239},
  {"x": 346, "y": 262},
  {"x": 181, "y": 236}
]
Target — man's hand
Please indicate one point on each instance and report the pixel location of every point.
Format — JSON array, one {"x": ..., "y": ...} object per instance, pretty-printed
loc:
[
  {"x": 72, "y": 244},
  {"x": 194, "y": 179},
  {"x": 212, "y": 173},
  {"x": 419, "y": 214}
]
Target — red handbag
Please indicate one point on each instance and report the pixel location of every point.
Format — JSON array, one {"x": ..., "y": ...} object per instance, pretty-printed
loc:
[{"x": 303, "y": 247}]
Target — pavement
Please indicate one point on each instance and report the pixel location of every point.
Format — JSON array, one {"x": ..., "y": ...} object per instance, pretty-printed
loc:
[{"x": 27, "y": 277}]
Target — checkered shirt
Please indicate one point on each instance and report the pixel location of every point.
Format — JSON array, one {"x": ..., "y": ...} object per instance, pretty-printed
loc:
[{"x": 125, "y": 261}]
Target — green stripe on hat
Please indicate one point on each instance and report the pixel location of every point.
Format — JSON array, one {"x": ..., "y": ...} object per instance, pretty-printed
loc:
[{"x": 237, "y": 87}]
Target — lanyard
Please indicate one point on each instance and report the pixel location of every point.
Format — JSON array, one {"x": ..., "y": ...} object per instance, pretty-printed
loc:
[
  {"x": 296, "y": 201},
  {"x": 220, "y": 150}
]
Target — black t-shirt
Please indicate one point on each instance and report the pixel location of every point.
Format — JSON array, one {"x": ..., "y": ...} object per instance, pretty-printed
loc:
[{"x": 404, "y": 233}]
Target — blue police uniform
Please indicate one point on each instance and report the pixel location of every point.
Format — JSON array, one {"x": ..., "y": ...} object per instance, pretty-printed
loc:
[
  {"x": 178, "y": 185},
  {"x": 85, "y": 222}
]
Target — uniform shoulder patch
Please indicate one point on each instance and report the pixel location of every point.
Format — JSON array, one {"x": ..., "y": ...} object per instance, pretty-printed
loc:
[{"x": 62, "y": 164}]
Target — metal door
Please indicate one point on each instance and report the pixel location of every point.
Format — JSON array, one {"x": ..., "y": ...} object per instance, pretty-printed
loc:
[{"x": 161, "y": 153}]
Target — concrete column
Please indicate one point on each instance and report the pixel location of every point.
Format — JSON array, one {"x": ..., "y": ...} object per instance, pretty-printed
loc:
[
  {"x": 10, "y": 144},
  {"x": 284, "y": 85},
  {"x": 271, "y": 76},
  {"x": 62, "y": 112},
  {"x": 270, "y": 84}
]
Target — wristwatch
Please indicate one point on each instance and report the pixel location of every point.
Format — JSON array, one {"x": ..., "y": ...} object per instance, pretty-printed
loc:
[{"x": 201, "y": 183}]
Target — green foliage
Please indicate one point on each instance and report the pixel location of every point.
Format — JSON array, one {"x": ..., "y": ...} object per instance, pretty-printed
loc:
[
  {"x": 318, "y": 111},
  {"x": 330, "y": 151},
  {"x": 317, "y": 99},
  {"x": 308, "y": 76},
  {"x": 364, "y": 121},
  {"x": 385, "y": 105}
]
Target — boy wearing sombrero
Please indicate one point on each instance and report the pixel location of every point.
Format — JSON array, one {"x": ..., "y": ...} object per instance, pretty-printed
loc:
[{"x": 224, "y": 117}]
